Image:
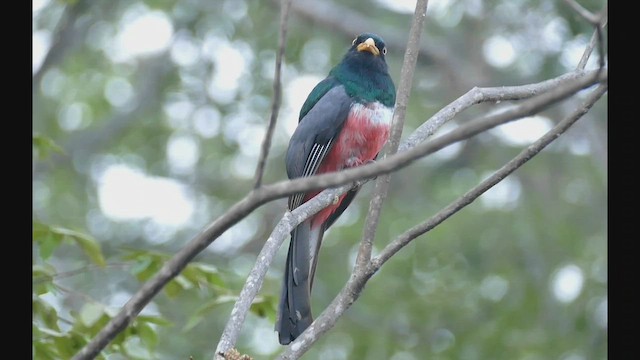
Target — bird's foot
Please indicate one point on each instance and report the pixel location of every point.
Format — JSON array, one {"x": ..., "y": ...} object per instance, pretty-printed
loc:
[
  {"x": 358, "y": 183},
  {"x": 353, "y": 162}
]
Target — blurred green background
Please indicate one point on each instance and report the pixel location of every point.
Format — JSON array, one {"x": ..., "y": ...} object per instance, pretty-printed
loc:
[{"x": 148, "y": 118}]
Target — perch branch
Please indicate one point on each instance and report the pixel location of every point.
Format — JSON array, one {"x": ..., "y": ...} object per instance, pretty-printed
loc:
[{"x": 274, "y": 191}]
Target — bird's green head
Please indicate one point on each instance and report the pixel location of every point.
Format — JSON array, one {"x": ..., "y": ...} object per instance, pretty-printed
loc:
[{"x": 364, "y": 73}]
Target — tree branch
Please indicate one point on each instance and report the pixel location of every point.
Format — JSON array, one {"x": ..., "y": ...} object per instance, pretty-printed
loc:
[
  {"x": 354, "y": 286},
  {"x": 257, "y": 197},
  {"x": 599, "y": 22},
  {"x": 253, "y": 284},
  {"x": 65, "y": 38},
  {"x": 277, "y": 94},
  {"x": 488, "y": 183},
  {"x": 254, "y": 281},
  {"x": 382, "y": 182},
  {"x": 481, "y": 95}
]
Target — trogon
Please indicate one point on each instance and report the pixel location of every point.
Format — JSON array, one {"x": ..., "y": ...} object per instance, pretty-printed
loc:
[{"x": 344, "y": 122}]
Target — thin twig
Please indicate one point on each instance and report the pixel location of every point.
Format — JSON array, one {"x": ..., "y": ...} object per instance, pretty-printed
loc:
[
  {"x": 588, "y": 50},
  {"x": 601, "y": 55},
  {"x": 277, "y": 94},
  {"x": 586, "y": 14},
  {"x": 596, "y": 39},
  {"x": 83, "y": 296},
  {"x": 81, "y": 270}
]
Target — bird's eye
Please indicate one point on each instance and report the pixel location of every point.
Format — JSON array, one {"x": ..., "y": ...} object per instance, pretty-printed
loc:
[
  {"x": 384, "y": 51},
  {"x": 354, "y": 41}
]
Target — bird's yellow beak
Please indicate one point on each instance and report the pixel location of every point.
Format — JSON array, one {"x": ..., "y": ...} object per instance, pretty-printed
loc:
[{"x": 368, "y": 45}]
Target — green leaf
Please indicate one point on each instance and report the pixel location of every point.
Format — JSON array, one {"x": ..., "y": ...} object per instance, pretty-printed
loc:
[
  {"x": 141, "y": 265},
  {"x": 214, "y": 279},
  {"x": 207, "y": 307},
  {"x": 100, "y": 323},
  {"x": 47, "y": 240},
  {"x": 91, "y": 313},
  {"x": 172, "y": 289},
  {"x": 193, "y": 321},
  {"x": 69, "y": 344},
  {"x": 183, "y": 282},
  {"x": 64, "y": 345},
  {"x": 87, "y": 243},
  {"x": 150, "y": 265},
  {"x": 210, "y": 305},
  {"x": 264, "y": 306},
  {"x": 148, "y": 335},
  {"x": 43, "y": 350},
  {"x": 48, "y": 246},
  {"x": 45, "y": 312},
  {"x": 43, "y": 146},
  {"x": 178, "y": 285},
  {"x": 42, "y": 275},
  {"x": 135, "y": 254},
  {"x": 204, "y": 274},
  {"x": 50, "y": 237},
  {"x": 51, "y": 333},
  {"x": 42, "y": 271}
]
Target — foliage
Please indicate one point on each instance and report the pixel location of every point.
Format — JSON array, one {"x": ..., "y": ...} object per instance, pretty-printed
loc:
[{"x": 57, "y": 337}]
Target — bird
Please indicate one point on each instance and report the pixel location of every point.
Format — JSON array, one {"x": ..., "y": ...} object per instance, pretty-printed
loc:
[{"x": 344, "y": 122}]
